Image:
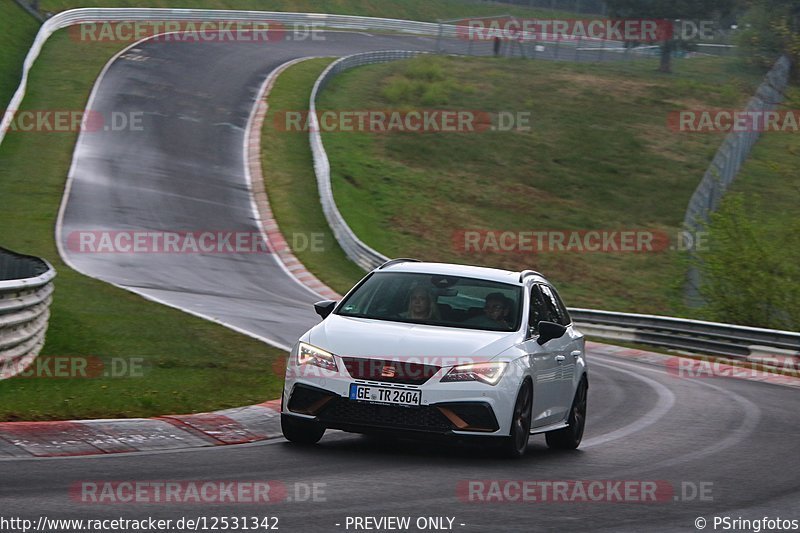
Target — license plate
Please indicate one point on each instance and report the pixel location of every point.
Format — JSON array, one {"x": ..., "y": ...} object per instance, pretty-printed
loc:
[{"x": 373, "y": 394}]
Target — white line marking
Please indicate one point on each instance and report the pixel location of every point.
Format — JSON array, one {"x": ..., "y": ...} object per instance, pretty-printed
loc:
[{"x": 664, "y": 402}]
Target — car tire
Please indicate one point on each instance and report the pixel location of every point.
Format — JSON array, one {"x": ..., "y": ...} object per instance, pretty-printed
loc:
[
  {"x": 570, "y": 437},
  {"x": 301, "y": 431},
  {"x": 516, "y": 443}
]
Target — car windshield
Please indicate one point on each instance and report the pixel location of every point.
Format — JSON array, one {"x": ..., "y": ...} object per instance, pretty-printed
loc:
[{"x": 435, "y": 299}]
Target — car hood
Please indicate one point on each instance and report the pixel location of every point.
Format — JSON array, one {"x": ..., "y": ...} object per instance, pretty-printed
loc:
[{"x": 380, "y": 339}]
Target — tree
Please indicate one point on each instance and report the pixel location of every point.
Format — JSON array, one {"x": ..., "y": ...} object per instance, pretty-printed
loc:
[
  {"x": 693, "y": 10},
  {"x": 769, "y": 29}
]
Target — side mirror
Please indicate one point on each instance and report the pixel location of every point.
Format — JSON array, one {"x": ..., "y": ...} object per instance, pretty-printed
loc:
[
  {"x": 549, "y": 331},
  {"x": 324, "y": 307}
]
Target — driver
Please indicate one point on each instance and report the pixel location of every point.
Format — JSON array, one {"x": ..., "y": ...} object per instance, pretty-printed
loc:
[{"x": 421, "y": 305}]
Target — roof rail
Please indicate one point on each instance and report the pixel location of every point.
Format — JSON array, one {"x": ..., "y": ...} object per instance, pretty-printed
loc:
[
  {"x": 398, "y": 260},
  {"x": 525, "y": 273}
]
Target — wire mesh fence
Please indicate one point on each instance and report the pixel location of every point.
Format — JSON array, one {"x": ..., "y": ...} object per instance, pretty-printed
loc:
[{"x": 727, "y": 163}]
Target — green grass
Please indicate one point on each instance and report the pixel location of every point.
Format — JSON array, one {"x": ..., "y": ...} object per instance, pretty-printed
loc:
[
  {"x": 17, "y": 31},
  {"x": 769, "y": 177},
  {"x": 426, "y": 10},
  {"x": 192, "y": 364},
  {"x": 598, "y": 156},
  {"x": 289, "y": 178}
]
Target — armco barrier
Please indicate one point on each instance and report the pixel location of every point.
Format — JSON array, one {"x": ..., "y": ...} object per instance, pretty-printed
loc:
[
  {"x": 71, "y": 17},
  {"x": 88, "y": 15},
  {"x": 741, "y": 342},
  {"x": 26, "y": 288},
  {"x": 356, "y": 250}
]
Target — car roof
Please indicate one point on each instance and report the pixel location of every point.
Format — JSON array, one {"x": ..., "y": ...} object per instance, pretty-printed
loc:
[{"x": 467, "y": 271}]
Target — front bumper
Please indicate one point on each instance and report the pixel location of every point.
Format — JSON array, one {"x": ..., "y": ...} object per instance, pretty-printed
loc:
[
  {"x": 334, "y": 411},
  {"x": 468, "y": 408}
]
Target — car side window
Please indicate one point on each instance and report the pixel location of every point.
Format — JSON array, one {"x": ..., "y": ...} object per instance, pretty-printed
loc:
[
  {"x": 562, "y": 308},
  {"x": 538, "y": 309},
  {"x": 556, "y": 311}
]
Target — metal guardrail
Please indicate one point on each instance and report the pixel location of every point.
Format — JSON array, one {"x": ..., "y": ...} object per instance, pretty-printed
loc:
[
  {"x": 358, "y": 252},
  {"x": 691, "y": 335},
  {"x": 72, "y": 17},
  {"x": 26, "y": 288}
]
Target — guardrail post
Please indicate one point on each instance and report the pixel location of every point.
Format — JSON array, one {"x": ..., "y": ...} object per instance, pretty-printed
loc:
[{"x": 26, "y": 288}]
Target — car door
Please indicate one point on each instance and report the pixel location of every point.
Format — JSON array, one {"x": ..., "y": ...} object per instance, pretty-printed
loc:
[
  {"x": 546, "y": 387},
  {"x": 569, "y": 347}
]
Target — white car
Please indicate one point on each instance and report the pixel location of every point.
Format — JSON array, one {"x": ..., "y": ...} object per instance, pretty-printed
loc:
[{"x": 440, "y": 349}]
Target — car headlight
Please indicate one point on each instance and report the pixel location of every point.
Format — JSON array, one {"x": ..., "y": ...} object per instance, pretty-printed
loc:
[
  {"x": 486, "y": 372},
  {"x": 311, "y": 355}
]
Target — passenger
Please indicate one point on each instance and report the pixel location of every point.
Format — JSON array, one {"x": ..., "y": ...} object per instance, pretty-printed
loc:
[{"x": 496, "y": 309}]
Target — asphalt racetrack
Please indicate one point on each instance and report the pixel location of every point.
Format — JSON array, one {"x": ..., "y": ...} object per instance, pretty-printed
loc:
[{"x": 184, "y": 171}]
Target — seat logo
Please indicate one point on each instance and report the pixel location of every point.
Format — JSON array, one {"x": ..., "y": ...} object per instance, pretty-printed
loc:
[{"x": 388, "y": 372}]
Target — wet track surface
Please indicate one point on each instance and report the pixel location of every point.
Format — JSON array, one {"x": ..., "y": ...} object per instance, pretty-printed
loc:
[{"x": 184, "y": 172}]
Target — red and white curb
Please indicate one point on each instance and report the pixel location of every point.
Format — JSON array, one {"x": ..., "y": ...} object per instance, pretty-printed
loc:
[
  {"x": 93, "y": 437},
  {"x": 275, "y": 239}
]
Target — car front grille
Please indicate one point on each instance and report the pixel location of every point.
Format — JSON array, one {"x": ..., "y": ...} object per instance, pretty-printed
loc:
[
  {"x": 344, "y": 413},
  {"x": 405, "y": 372}
]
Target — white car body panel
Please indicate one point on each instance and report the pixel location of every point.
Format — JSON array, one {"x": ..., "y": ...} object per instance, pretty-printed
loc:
[{"x": 555, "y": 369}]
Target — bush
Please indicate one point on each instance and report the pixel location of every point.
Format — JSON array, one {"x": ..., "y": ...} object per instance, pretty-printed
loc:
[
  {"x": 402, "y": 90},
  {"x": 425, "y": 68},
  {"x": 751, "y": 271},
  {"x": 423, "y": 81}
]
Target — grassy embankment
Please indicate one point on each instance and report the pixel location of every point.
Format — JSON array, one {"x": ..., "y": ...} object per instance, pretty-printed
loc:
[{"x": 599, "y": 155}]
